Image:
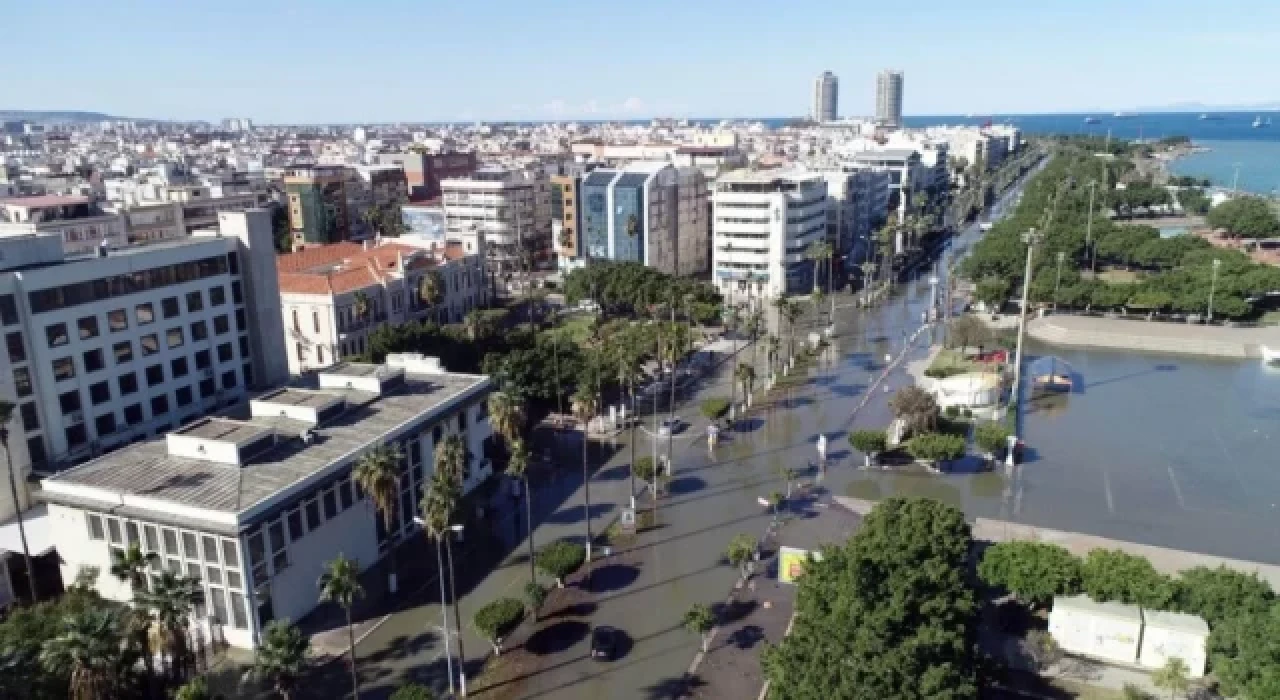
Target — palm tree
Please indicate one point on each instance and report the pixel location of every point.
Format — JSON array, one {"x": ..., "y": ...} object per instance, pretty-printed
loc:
[
  {"x": 773, "y": 344},
  {"x": 518, "y": 468},
  {"x": 378, "y": 474},
  {"x": 372, "y": 218},
  {"x": 451, "y": 459},
  {"x": 429, "y": 291},
  {"x": 340, "y": 583},
  {"x": 437, "y": 509},
  {"x": 629, "y": 358},
  {"x": 89, "y": 651},
  {"x": 755, "y": 321},
  {"x": 6, "y": 415},
  {"x": 281, "y": 658},
  {"x": 790, "y": 311},
  {"x": 820, "y": 252},
  {"x": 360, "y": 304},
  {"x": 584, "y": 408},
  {"x": 130, "y": 566},
  {"x": 506, "y": 415},
  {"x": 171, "y": 600},
  {"x": 746, "y": 374},
  {"x": 474, "y": 323},
  {"x": 868, "y": 269}
]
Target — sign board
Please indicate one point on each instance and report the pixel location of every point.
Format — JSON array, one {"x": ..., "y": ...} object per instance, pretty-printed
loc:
[
  {"x": 627, "y": 521},
  {"x": 792, "y": 561}
]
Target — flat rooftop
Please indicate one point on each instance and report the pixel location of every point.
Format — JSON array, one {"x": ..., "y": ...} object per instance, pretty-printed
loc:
[
  {"x": 766, "y": 176},
  {"x": 297, "y": 397},
  {"x": 147, "y": 470}
]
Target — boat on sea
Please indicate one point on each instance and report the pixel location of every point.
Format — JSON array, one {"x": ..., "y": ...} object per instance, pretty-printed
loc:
[
  {"x": 1053, "y": 381},
  {"x": 1210, "y": 118},
  {"x": 1258, "y": 123},
  {"x": 1092, "y": 120},
  {"x": 1122, "y": 115}
]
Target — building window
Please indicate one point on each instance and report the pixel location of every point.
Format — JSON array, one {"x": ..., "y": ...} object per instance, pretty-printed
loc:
[
  {"x": 77, "y": 435},
  {"x": 113, "y": 531},
  {"x": 225, "y": 352},
  {"x": 320, "y": 354},
  {"x": 199, "y": 331},
  {"x": 123, "y": 352},
  {"x": 170, "y": 542},
  {"x": 210, "y": 544},
  {"x": 155, "y": 375},
  {"x": 169, "y": 307},
  {"x": 56, "y": 334},
  {"x": 183, "y": 395},
  {"x": 64, "y": 368},
  {"x": 35, "y": 448},
  {"x": 160, "y": 405},
  {"x": 315, "y": 320},
  {"x": 203, "y": 359},
  {"x": 69, "y": 401},
  {"x": 218, "y": 605},
  {"x": 330, "y": 500},
  {"x": 244, "y": 347},
  {"x": 294, "y": 519},
  {"x": 297, "y": 326},
  {"x": 117, "y": 320},
  {"x": 239, "y": 619},
  {"x": 145, "y": 314},
  {"x": 174, "y": 338},
  {"x": 312, "y": 509},
  {"x": 99, "y": 393},
  {"x": 149, "y": 533},
  {"x": 105, "y": 424},
  {"x": 240, "y": 325},
  {"x": 17, "y": 348},
  {"x": 8, "y": 310},
  {"x": 195, "y": 301},
  {"x": 88, "y": 327},
  {"x": 231, "y": 554},
  {"x": 236, "y": 295},
  {"x": 279, "y": 554},
  {"x": 344, "y": 493},
  {"x": 22, "y": 381},
  {"x": 93, "y": 361},
  {"x": 30, "y": 417},
  {"x": 217, "y": 296},
  {"x": 128, "y": 383},
  {"x": 221, "y": 324},
  {"x": 189, "y": 549},
  {"x": 150, "y": 344},
  {"x": 207, "y": 388},
  {"x": 95, "y": 526},
  {"x": 229, "y": 379},
  {"x": 133, "y": 414},
  {"x": 178, "y": 366}
]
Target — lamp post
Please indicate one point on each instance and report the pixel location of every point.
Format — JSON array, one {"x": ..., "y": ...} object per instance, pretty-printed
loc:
[
  {"x": 1058, "y": 281},
  {"x": 1088, "y": 229},
  {"x": 444, "y": 611},
  {"x": 1213, "y": 285},
  {"x": 1030, "y": 238}
]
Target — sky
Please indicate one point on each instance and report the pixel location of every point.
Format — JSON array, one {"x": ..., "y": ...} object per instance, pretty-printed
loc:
[{"x": 373, "y": 61}]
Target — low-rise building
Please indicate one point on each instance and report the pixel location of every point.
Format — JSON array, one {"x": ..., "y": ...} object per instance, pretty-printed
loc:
[
  {"x": 82, "y": 225},
  {"x": 334, "y": 296},
  {"x": 253, "y": 503}
]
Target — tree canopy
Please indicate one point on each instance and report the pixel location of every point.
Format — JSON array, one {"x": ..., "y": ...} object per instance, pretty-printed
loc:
[
  {"x": 1032, "y": 571},
  {"x": 630, "y": 287},
  {"x": 889, "y": 614},
  {"x": 1110, "y": 574},
  {"x": 1245, "y": 217}
]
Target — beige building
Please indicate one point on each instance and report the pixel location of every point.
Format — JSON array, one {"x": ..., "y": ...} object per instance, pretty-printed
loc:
[{"x": 333, "y": 296}]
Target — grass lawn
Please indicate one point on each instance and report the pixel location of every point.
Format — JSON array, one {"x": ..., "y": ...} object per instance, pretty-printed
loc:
[
  {"x": 574, "y": 329},
  {"x": 950, "y": 360}
]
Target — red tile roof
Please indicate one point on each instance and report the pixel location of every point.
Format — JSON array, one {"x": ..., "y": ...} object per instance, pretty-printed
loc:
[{"x": 339, "y": 268}]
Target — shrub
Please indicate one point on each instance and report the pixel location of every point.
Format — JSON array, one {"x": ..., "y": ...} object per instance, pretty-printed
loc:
[
  {"x": 496, "y": 620},
  {"x": 413, "y": 691},
  {"x": 942, "y": 372},
  {"x": 936, "y": 447},
  {"x": 951, "y": 411},
  {"x": 991, "y": 438},
  {"x": 535, "y": 594},
  {"x": 869, "y": 442},
  {"x": 644, "y": 469},
  {"x": 559, "y": 559},
  {"x": 715, "y": 408}
]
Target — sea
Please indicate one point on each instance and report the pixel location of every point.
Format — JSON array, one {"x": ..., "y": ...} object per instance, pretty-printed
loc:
[{"x": 1235, "y": 149}]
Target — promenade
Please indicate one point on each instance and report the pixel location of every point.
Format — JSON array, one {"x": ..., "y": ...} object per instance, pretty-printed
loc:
[{"x": 1154, "y": 336}]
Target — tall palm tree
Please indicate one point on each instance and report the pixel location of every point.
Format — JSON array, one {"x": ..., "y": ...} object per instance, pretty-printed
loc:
[
  {"x": 171, "y": 600},
  {"x": 360, "y": 304},
  {"x": 506, "y": 415},
  {"x": 746, "y": 374},
  {"x": 773, "y": 344},
  {"x": 755, "y": 321},
  {"x": 378, "y": 474},
  {"x": 518, "y": 468},
  {"x": 281, "y": 658},
  {"x": 820, "y": 252},
  {"x": 89, "y": 650},
  {"x": 437, "y": 510},
  {"x": 584, "y": 408},
  {"x": 451, "y": 459},
  {"x": 130, "y": 566},
  {"x": 340, "y": 583},
  {"x": 629, "y": 359},
  {"x": 790, "y": 311},
  {"x": 429, "y": 288},
  {"x": 6, "y": 415}
]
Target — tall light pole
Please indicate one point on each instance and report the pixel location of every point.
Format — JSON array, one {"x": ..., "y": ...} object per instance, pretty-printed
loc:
[
  {"x": 1088, "y": 229},
  {"x": 1213, "y": 285},
  {"x": 1058, "y": 281},
  {"x": 1235, "y": 180},
  {"x": 1030, "y": 238}
]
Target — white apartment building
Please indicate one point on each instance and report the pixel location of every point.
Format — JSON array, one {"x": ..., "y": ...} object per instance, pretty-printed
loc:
[
  {"x": 254, "y": 502},
  {"x": 764, "y": 221},
  {"x": 104, "y": 350},
  {"x": 333, "y": 296},
  {"x": 77, "y": 220},
  {"x": 501, "y": 204}
]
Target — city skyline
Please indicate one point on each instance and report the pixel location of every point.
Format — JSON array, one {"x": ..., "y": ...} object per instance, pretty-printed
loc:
[{"x": 497, "y": 63}]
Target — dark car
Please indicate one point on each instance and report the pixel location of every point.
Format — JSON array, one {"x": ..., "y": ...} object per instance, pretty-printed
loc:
[{"x": 604, "y": 643}]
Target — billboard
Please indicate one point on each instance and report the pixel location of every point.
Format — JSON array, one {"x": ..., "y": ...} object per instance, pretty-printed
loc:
[{"x": 792, "y": 561}]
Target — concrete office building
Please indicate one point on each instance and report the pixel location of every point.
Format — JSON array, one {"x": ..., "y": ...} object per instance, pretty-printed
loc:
[
  {"x": 103, "y": 351},
  {"x": 254, "y": 502},
  {"x": 424, "y": 171},
  {"x": 857, "y": 202},
  {"x": 319, "y": 288},
  {"x": 764, "y": 222},
  {"x": 566, "y": 215},
  {"x": 889, "y": 98},
  {"x": 78, "y": 221},
  {"x": 825, "y": 95},
  {"x": 317, "y": 196},
  {"x": 500, "y": 204},
  {"x": 649, "y": 212}
]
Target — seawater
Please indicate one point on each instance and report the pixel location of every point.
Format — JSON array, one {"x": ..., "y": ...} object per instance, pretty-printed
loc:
[{"x": 1259, "y": 163}]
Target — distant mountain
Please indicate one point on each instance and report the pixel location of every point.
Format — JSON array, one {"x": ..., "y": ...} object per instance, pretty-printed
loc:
[{"x": 58, "y": 116}]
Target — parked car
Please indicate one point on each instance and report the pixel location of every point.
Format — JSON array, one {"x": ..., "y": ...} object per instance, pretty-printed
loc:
[{"x": 604, "y": 643}]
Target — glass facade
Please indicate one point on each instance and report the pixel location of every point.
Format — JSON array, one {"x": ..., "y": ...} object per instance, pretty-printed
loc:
[
  {"x": 628, "y": 222},
  {"x": 595, "y": 213}
]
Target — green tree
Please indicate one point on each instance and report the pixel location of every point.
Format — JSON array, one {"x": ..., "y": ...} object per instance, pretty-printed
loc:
[
  {"x": 561, "y": 558},
  {"x": 936, "y": 447},
  {"x": 535, "y": 594},
  {"x": 699, "y": 620},
  {"x": 869, "y": 442},
  {"x": 745, "y": 374},
  {"x": 413, "y": 691},
  {"x": 993, "y": 292},
  {"x": 497, "y": 619},
  {"x": 171, "y": 600},
  {"x": 585, "y": 406},
  {"x": 1110, "y": 574},
  {"x": 130, "y": 566},
  {"x": 741, "y": 552},
  {"x": 518, "y": 468},
  {"x": 377, "y": 473},
  {"x": 451, "y": 459},
  {"x": 1244, "y": 655},
  {"x": 888, "y": 614},
  {"x": 967, "y": 331},
  {"x": 1245, "y": 217},
  {"x": 1034, "y": 572},
  {"x": 1173, "y": 677},
  {"x": 1221, "y": 593},
  {"x": 195, "y": 689},
  {"x": 340, "y": 583},
  {"x": 916, "y": 408},
  {"x": 88, "y": 650},
  {"x": 430, "y": 288},
  {"x": 361, "y": 305},
  {"x": 507, "y": 416},
  {"x": 992, "y": 438},
  {"x": 715, "y": 408},
  {"x": 281, "y": 657}
]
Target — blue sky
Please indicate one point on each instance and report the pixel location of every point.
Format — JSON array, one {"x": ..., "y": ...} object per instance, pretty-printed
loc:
[{"x": 392, "y": 60}]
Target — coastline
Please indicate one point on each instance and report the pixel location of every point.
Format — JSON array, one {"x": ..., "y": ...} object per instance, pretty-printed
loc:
[{"x": 1154, "y": 336}]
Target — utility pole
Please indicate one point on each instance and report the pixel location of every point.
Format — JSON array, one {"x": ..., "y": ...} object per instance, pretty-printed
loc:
[
  {"x": 1235, "y": 181},
  {"x": 1213, "y": 286},
  {"x": 1030, "y": 238},
  {"x": 1058, "y": 282},
  {"x": 1088, "y": 229}
]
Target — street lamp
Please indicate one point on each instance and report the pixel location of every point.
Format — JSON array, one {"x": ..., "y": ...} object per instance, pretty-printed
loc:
[
  {"x": 1058, "y": 282},
  {"x": 1213, "y": 285},
  {"x": 1088, "y": 229},
  {"x": 444, "y": 611},
  {"x": 1031, "y": 238}
]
